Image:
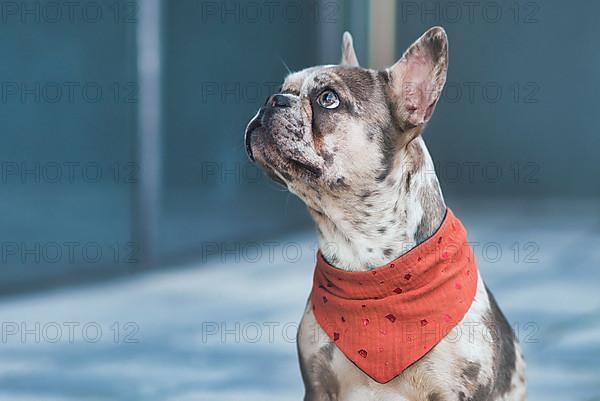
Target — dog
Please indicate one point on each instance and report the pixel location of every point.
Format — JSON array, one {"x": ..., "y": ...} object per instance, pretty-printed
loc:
[{"x": 348, "y": 142}]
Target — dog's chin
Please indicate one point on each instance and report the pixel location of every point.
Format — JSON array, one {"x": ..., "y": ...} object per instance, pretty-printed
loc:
[
  {"x": 283, "y": 168},
  {"x": 272, "y": 173}
]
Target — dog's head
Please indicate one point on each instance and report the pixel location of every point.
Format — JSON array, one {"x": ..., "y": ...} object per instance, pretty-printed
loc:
[{"x": 339, "y": 128}]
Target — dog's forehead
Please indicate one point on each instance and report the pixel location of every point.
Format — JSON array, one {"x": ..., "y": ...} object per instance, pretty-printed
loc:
[
  {"x": 295, "y": 81},
  {"x": 359, "y": 81}
]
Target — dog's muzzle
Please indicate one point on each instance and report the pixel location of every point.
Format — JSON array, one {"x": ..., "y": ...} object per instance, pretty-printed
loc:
[{"x": 274, "y": 101}]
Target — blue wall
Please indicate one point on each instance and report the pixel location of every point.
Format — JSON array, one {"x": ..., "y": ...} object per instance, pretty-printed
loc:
[{"x": 540, "y": 134}]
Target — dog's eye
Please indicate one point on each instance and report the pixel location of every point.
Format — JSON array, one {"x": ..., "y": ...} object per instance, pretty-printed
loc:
[{"x": 328, "y": 99}]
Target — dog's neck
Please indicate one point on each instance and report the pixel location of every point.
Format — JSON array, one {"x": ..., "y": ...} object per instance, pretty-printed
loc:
[{"x": 374, "y": 227}]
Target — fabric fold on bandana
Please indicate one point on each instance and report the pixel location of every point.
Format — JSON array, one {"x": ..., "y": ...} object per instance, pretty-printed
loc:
[{"x": 387, "y": 318}]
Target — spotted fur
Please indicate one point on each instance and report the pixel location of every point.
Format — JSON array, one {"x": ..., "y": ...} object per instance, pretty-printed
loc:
[{"x": 368, "y": 180}]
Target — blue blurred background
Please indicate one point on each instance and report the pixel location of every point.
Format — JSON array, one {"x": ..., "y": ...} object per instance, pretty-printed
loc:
[{"x": 130, "y": 213}]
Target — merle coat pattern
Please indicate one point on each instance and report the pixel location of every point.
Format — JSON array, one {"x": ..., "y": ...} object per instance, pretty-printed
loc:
[{"x": 348, "y": 141}]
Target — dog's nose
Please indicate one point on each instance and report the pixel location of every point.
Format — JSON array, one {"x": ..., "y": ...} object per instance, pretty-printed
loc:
[{"x": 278, "y": 101}]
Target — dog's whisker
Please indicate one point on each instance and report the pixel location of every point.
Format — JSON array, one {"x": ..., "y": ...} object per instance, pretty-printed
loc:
[{"x": 289, "y": 71}]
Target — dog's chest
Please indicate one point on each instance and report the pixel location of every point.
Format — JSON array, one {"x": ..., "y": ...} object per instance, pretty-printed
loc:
[{"x": 464, "y": 358}]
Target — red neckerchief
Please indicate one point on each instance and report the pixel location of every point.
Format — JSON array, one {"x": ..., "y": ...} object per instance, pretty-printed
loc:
[{"x": 387, "y": 318}]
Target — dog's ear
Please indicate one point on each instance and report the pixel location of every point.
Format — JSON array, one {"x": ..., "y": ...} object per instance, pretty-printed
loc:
[
  {"x": 348, "y": 54},
  {"x": 417, "y": 79}
]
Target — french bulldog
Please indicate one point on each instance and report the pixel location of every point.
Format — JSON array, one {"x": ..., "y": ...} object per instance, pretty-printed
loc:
[{"x": 348, "y": 141}]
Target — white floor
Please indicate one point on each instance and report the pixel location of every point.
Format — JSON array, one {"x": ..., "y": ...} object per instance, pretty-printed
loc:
[{"x": 225, "y": 331}]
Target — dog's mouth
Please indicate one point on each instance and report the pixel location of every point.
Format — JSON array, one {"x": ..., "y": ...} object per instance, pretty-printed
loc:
[
  {"x": 262, "y": 147},
  {"x": 302, "y": 166},
  {"x": 283, "y": 169},
  {"x": 252, "y": 126}
]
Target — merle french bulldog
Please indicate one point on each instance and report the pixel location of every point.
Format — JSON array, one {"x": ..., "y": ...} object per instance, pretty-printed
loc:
[{"x": 347, "y": 141}]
